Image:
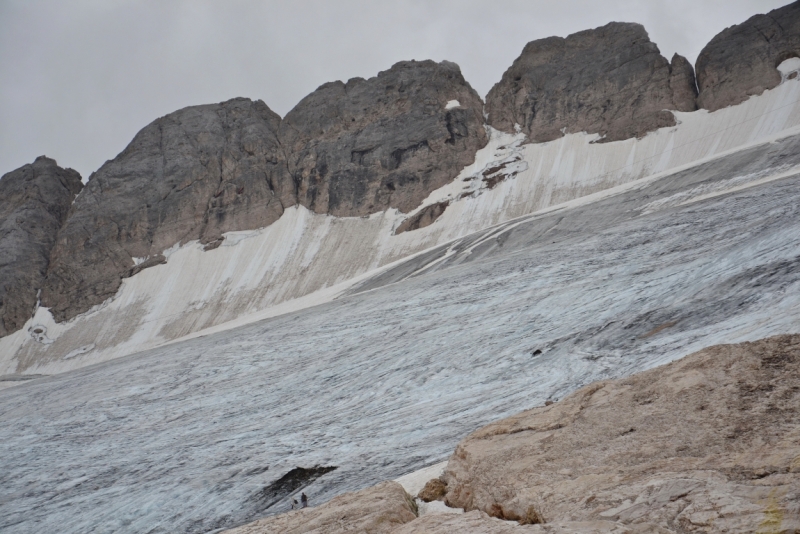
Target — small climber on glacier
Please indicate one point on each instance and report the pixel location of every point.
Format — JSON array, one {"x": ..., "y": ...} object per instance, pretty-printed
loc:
[
  {"x": 294, "y": 504},
  {"x": 303, "y": 501}
]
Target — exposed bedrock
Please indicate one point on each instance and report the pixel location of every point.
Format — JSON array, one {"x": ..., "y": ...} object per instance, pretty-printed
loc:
[
  {"x": 741, "y": 60},
  {"x": 192, "y": 174},
  {"x": 709, "y": 443},
  {"x": 367, "y": 145},
  {"x": 376, "y": 510},
  {"x": 34, "y": 202},
  {"x": 610, "y": 80}
]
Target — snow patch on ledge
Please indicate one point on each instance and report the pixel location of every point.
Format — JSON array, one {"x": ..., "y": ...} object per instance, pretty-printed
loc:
[
  {"x": 788, "y": 66},
  {"x": 453, "y": 104}
]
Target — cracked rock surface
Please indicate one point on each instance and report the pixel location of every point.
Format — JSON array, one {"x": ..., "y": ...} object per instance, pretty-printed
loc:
[
  {"x": 610, "y": 80},
  {"x": 741, "y": 60},
  {"x": 708, "y": 443},
  {"x": 34, "y": 201},
  {"x": 367, "y": 145}
]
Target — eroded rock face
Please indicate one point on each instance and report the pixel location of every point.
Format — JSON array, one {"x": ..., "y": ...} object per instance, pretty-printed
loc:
[
  {"x": 610, "y": 80},
  {"x": 34, "y": 202},
  {"x": 376, "y": 510},
  {"x": 709, "y": 443},
  {"x": 741, "y": 60},
  {"x": 192, "y": 174},
  {"x": 351, "y": 149},
  {"x": 367, "y": 145}
]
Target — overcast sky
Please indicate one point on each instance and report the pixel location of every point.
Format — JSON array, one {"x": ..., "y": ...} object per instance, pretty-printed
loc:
[{"x": 78, "y": 79}]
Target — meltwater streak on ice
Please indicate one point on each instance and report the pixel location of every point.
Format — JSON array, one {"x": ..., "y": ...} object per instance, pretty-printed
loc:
[
  {"x": 304, "y": 253},
  {"x": 381, "y": 383}
]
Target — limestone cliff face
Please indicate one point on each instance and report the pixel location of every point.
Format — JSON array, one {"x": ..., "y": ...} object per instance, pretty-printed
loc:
[
  {"x": 34, "y": 202},
  {"x": 346, "y": 149},
  {"x": 610, "y": 80},
  {"x": 192, "y": 174},
  {"x": 367, "y": 145},
  {"x": 741, "y": 61}
]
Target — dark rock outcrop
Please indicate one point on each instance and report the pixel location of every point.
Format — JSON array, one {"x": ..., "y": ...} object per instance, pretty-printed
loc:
[
  {"x": 363, "y": 146},
  {"x": 425, "y": 217},
  {"x": 192, "y": 174},
  {"x": 741, "y": 60},
  {"x": 611, "y": 80},
  {"x": 34, "y": 202}
]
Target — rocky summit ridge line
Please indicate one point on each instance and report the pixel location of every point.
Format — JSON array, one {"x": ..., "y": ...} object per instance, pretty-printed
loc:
[{"x": 365, "y": 146}]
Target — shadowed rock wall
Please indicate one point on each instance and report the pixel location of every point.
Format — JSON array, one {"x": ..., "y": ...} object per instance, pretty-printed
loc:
[
  {"x": 192, "y": 174},
  {"x": 367, "y": 145},
  {"x": 611, "y": 80},
  {"x": 35, "y": 201},
  {"x": 741, "y": 60}
]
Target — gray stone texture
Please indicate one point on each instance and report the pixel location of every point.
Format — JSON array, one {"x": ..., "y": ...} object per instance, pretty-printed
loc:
[
  {"x": 741, "y": 60},
  {"x": 346, "y": 149},
  {"x": 363, "y": 146},
  {"x": 34, "y": 202},
  {"x": 610, "y": 80},
  {"x": 192, "y": 174}
]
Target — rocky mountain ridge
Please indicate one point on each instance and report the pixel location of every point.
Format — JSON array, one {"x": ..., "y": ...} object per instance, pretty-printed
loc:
[{"x": 361, "y": 147}]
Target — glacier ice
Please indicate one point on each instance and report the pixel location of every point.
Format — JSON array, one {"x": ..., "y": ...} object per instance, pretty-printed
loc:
[{"x": 387, "y": 378}]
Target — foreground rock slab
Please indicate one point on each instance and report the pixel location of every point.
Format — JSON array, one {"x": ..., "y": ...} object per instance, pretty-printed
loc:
[
  {"x": 709, "y": 443},
  {"x": 375, "y": 510}
]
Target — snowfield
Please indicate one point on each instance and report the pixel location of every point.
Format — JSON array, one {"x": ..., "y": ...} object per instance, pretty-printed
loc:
[
  {"x": 388, "y": 377},
  {"x": 304, "y": 259}
]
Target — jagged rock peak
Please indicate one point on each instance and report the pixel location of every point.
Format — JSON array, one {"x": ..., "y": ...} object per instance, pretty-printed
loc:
[
  {"x": 741, "y": 60},
  {"x": 610, "y": 80},
  {"x": 34, "y": 202},
  {"x": 192, "y": 174},
  {"x": 367, "y": 145}
]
